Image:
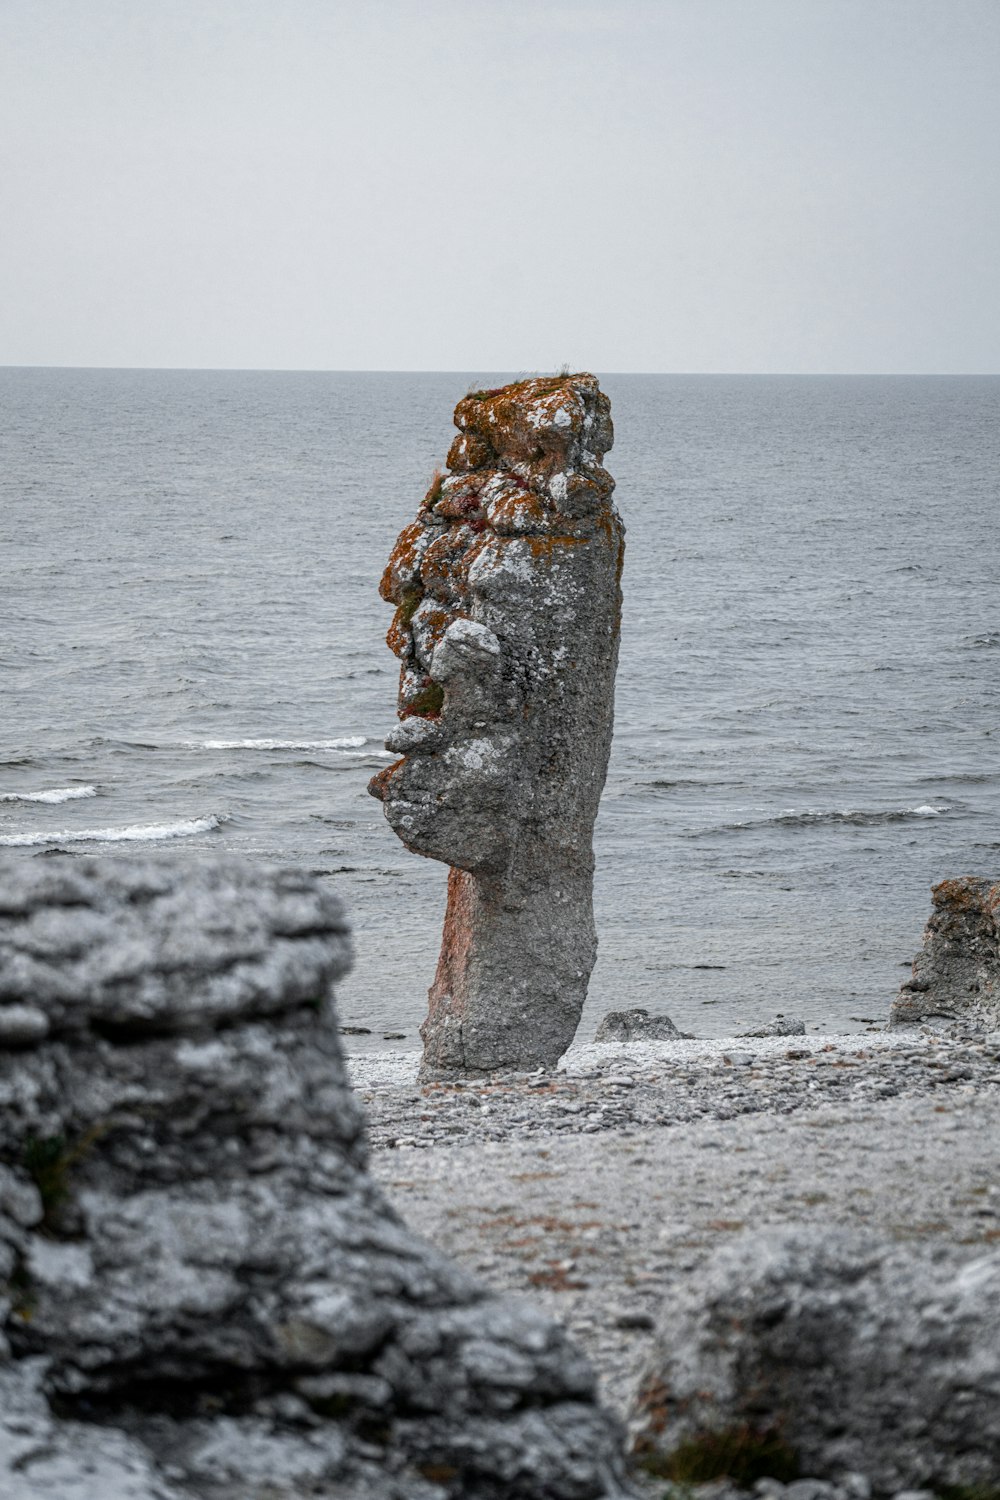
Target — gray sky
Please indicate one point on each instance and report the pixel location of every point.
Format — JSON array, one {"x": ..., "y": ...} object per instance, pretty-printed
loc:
[{"x": 681, "y": 185}]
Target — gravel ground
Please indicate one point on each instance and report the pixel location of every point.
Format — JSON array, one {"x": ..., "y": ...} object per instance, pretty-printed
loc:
[{"x": 594, "y": 1187}]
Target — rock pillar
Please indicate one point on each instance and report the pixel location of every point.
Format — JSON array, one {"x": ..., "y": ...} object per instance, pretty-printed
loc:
[
  {"x": 508, "y": 603},
  {"x": 956, "y": 974}
]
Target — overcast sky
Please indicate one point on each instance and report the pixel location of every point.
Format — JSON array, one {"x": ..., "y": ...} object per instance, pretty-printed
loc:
[{"x": 676, "y": 185}]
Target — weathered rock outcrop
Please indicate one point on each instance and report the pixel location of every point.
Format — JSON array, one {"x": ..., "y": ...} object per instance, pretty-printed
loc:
[
  {"x": 637, "y": 1026},
  {"x": 204, "y": 1293},
  {"x": 956, "y": 974},
  {"x": 508, "y": 602},
  {"x": 829, "y": 1352},
  {"x": 780, "y": 1026}
]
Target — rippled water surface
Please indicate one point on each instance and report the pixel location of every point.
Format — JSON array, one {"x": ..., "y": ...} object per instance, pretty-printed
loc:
[{"x": 808, "y": 713}]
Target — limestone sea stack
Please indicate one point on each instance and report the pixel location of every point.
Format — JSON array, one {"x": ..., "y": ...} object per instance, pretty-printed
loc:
[
  {"x": 508, "y": 605},
  {"x": 956, "y": 974}
]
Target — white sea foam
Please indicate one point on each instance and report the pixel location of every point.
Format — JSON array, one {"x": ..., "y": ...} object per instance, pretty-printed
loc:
[
  {"x": 132, "y": 833},
  {"x": 345, "y": 742},
  {"x": 56, "y": 794},
  {"x": 859, "y": 817}
]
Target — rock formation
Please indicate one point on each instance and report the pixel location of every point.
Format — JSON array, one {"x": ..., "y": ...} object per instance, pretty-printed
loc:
[
  {"x": 637, "y": 1026},
  {"x": 830, "y": 1353},
  {"x": 956, "y": 974},
  {"x": 781, "y": 1026},
  {"x": 205, "y": 1296},
  {"x": 508, "y": 603}
]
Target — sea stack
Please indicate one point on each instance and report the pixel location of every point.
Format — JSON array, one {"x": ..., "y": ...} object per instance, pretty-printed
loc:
[
  {"x": 508, "y": 606},
  {"x": 956, "y": 974}
]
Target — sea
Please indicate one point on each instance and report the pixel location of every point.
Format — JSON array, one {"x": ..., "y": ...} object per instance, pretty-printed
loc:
[{"x": 192, "y": 660}]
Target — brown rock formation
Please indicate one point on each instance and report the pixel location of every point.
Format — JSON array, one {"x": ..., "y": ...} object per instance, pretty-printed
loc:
[
  {"x": 956, "y": 974},
  {"x": 508, "y": 605}
]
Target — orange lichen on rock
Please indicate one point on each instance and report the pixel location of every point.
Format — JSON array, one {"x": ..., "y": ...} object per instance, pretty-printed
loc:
[
  {"x": 446, "y": 562},
  {"x": 399, "y": 637},
  {"x": 402, "y": 571},
  {"x": 461, "y": 500},
  {"x": 469, "y": 451},
  {"x": 427, "y": 628},
  {"x": 379, "y": 784},
  {"x": 517, "y": 511},
  {"x": 548, "y": 423},
  {"x": 961, "y": 894},
  {"x": 542, "y": 547}
]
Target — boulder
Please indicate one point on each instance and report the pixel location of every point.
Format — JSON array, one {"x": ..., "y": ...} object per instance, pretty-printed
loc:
[
  {"x": 830, "y": 1353},
  {"x": 508, "y": 605},
  {"x": 637, "y": 1026},
  {"x": 205, "y": 1295},
  {"x": 956, "y": 974},
  {"x": 780, "y": 1026}
]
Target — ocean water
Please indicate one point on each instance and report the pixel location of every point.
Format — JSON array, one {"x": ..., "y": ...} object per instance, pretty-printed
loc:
[{"x": 808, "y": 707}]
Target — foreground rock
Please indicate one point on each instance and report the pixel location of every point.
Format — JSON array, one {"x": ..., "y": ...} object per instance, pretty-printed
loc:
[
  {"x": 833, "y": 1353},
  {"x": 956, "y": 974},
  {"x": 206, "y": 1295},
  {"x": 507, "y": 619}
]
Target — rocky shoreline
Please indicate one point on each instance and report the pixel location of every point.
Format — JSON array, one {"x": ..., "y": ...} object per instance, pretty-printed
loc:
[
  {"x": 601, "y": 1188},
  {"x": 606, "y": 1086},
  {"x": 225, "y": 1274}
]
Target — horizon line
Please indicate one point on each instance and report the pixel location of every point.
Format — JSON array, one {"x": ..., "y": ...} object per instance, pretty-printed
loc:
[{"x": 374, "y": 370}]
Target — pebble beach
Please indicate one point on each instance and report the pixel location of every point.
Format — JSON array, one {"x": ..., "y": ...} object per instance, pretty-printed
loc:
[{"x": 598, "y": 1187}]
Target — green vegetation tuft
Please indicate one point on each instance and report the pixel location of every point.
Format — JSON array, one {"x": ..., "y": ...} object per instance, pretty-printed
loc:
[
  {"x": 740, "y": 1454},
  {"x": 48, "y": 1161},
  {"x": 433, "y": 495},
  {"x": 21, "y": 1293},
  {"x": 428, "y": 703},
  {"x": 439, "y": 1473},
  {"x": 410, "y": 605},
  {"x": 545, "y": 384},
  {"x": 338, "y": 1407}
]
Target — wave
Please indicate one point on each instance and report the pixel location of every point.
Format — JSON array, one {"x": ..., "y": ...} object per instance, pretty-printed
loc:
[
  {"x": 857, "y": 817},
  {"x": 57, "y": 794},
  {"x": 989, "y": 638},
  {"x": 345, "y": 742},
  {"x": 345, "y": 755},
  {"x": 971, "y": 778},
  {"x": 112, "y": 742},
  {"x": 132, "y": 833},
  {"x": 685, "y": 781}
]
